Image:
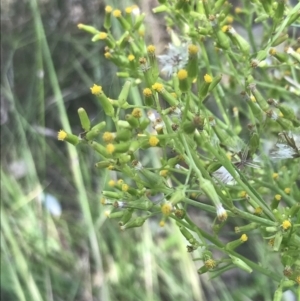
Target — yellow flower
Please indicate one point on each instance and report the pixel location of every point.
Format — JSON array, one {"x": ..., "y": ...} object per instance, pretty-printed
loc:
[
  {"x": 275, "y": 175},
  {"x": 131, "y": 57},
  {"x": 96, "y": 90},
  {"x": 125, "y": 187},
  {"x": 147, "y": 92},
  {"x": 272, "y": 51},
  {"x": 182, "y": 74},
  {"x": 158, "y": 87},
  {"x": 62, "y": 135},
  {"x": 128, "y": 10},
  {"x": 207, "y": 78},
  {"x": 151, "y": 49},
  {"x": 229, "y": 156},
  {"x": 167, "y": 208},
  {"x": 193, "y": 49},
  {"x": 229, "y": 19},
  {"x": 117, "y": 13},
  {"x": 107, "y": 55},
  {"x": 258, "y": 211},
  {"x": 243, "y": 194},
  {"x": 225, "y": 28},
  {"x": 137, "y": 113},
  {"x": 286, "y": 224},
  {"x": 278, "y": 197},
  {"x": 287, "y": 190},
  {"x": 111, "y": 183},
  {"x": 210, "y": 263},
  {"x": 153, "y": 140},
  {"x": 164, "y": 172},
  {"x": 110, "y": 148},
  {"x": 108, "y": 137},
  {"x": 102, "y": 35},
  {"x": 244, "y": 238},
  {"x": 162, "y": 223},
  {"x": 237, "y": 10},
  {"x": 108, "y": 9}
]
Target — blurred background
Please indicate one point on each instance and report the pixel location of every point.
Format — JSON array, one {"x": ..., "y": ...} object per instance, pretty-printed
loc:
[{"x": 56, "y": 242}]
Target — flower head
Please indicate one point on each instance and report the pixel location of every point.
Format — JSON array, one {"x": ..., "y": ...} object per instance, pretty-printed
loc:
[
  {"x": 102, "y": 35},
  {"x": 151, "y": 49},
  {"x": 108, "y": 137},
  {"x": 131, "y": 57},
  {"x": 96, "y": 90},
  {"x": 62, "y": 135},
  {"x": 258, "y": 211},
  {"x": 182, "y": 74},
  {"x": 153, "y": 140},
  {"x": 207, "y": 78},
  {"x": 147, "y": 92},
  {"x": 137, "y": 113},
  {"x": 210, "y": 264},
  {"x": 110, "y": 148},
  {"x": 107, "y": 55},
  {"x": 243, "y": 194},
  {"x": 125, "y": 187},
  {"x": 193, "y": 49},
  {"x": 277, "y": 197},
  {"x": 108, "y": 9},
  {"x": 164, "y": 173},
  {"x": 117, "y": 13},
  {"x": 128, "y": 10},
  {"x": 167, "y": 208},
  {"x": 244, "y": 238},
  {"x": 286, "y": 224},
  {"x": 175, "y": 59},
  {"x": 162, "y": 223},
  {"x": 111, "y": 183},
  {"x": 221, "y": 213},
  {"x": 158, "y": 87}
]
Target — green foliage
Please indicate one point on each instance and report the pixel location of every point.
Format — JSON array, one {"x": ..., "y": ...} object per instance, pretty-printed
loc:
[
  {"x": 170, "y": 152},
  {"x": 209, "y": 62}
]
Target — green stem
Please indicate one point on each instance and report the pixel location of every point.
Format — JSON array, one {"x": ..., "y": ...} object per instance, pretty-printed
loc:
[{"x": 220, "y": 246}]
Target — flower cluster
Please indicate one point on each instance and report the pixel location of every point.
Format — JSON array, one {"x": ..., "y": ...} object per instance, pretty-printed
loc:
[{"x": 181, "y": 147}]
